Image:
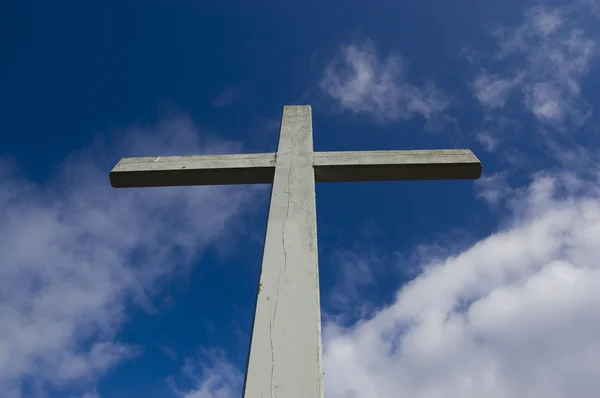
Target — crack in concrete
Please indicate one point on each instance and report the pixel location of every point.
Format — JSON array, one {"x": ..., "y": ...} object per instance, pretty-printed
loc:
[
  {"x": 287, "y": 213},
  {"x": 272, "y": 324},
  {"x": 272, "y": 353},
  {"x": 274, "y": 317}
]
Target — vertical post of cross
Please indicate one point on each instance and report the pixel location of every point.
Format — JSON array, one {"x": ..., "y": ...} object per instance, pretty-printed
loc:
[{"x": 285, "y": 352}]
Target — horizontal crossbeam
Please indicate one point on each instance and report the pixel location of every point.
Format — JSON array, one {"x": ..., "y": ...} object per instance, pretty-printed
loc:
[
  {"x": 168, "y": 171},
  {"x": 441, "y": 164}
]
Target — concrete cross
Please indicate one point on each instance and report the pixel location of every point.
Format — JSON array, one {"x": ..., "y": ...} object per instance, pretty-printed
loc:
[{"x": 285, "y": 350}]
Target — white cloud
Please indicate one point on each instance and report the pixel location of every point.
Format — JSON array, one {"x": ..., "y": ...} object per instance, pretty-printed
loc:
[
  {"x": 515, "y": 315},
  {"x": 90, "y": 395},
  {"x": 495, "y": 130},
  {"x": 487, "y": 140},
  {"x": 543, "y": 62},
  {"x": 357, "y": 269},
  {"x": 212, "y": 376},
  {"x": 546, "y": 21},
  {"x": 493, "y": 188},
  {"x": 76, "y": 252},
  {"x": 493, "y": 91},
  {"x": 362, "y": 81}
]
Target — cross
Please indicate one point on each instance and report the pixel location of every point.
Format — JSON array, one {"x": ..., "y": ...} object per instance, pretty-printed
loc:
[{"x": 285, "y": 350}]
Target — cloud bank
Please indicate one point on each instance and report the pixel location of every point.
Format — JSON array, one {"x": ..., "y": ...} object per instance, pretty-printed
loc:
[
  {"x": 76, "y": 253},
  {"x": 515, "y": 315}
]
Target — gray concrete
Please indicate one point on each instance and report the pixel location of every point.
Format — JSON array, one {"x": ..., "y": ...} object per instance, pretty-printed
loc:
[
  {"x": 285, "y": 352},
  {"x": 441, "y": 164},
  {"x": 164, "y": 171},
  {"x": 259, "y": 168}
]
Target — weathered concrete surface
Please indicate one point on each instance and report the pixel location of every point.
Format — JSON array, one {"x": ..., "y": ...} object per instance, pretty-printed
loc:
[
  {"x": 256, "y": 168},
  {"x": 441, "y": 164},
  {"x": 285, "y": 353}
]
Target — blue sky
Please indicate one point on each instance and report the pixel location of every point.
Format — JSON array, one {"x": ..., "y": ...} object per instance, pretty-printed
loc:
[{"x": 428, "y": 289}]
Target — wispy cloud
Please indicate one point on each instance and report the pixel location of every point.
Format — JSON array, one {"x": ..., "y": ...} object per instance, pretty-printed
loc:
[
  {"x": 542, "y": 64},
  {"x": 355, "y": 270},
  {"x": 211, "y": 376},
  {"x": 493, "y": 188},
  {"x": 76, "y": 252},
  {"x": 90, "y": 395},
  {"x": 360, "y": 80},
  {"x": 493, "y": 91},
  {"x": 168, "y": 351},
  {"x": 227, "y": 97}
]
